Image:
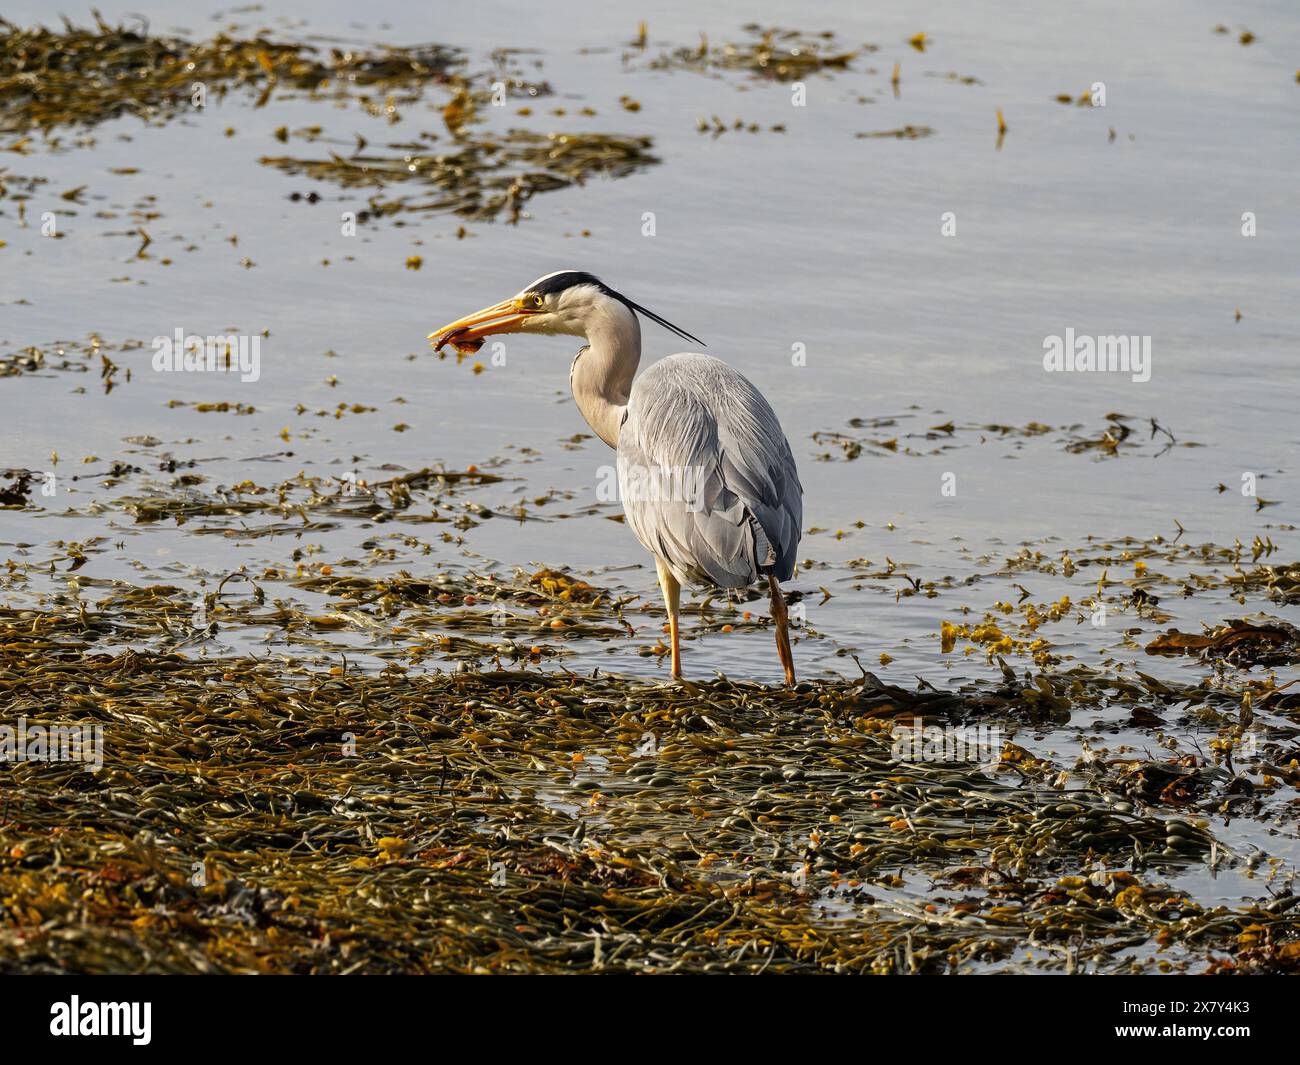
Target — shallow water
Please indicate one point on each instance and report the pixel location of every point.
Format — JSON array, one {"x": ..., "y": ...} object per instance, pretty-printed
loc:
[{"x": 763, "y": 241}]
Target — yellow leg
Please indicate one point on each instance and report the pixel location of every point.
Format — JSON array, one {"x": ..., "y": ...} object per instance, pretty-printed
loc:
[
  {"x": 672, "y": 599},
  {"x": 782, "y": 619}
]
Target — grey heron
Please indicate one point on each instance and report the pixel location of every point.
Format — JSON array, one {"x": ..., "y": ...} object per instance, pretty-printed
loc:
[{"x": 705, "y": 473}]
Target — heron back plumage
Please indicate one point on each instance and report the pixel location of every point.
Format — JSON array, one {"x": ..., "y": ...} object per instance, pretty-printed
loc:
[{"x": 741, "y": 517}]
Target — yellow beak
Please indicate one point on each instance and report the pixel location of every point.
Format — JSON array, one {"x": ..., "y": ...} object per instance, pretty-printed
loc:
[{"x": 467, "y": 333}]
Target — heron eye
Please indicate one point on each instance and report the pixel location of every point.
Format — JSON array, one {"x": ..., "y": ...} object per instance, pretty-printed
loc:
[{"x": 537, "y": 300}]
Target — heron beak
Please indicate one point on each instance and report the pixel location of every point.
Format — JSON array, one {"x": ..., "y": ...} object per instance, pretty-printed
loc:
[{"x": 467, "y": 333}]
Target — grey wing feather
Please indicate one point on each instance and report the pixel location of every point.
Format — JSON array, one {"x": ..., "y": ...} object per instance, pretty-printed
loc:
[{"x": 742, "y": 514}]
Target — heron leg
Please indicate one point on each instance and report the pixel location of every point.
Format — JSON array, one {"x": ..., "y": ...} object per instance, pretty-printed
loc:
[
  {"x": 782, "y": 618},
  {"x": 672, "y": 599}
]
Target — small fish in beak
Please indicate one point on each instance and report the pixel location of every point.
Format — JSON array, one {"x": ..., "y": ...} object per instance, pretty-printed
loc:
[{"x": 466, "y": 334}]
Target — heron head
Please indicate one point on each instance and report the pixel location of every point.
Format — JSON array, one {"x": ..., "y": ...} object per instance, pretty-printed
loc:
[{"x": 567, "y": 302}]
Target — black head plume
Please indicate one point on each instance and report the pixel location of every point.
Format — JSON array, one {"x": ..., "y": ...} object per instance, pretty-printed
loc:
[
  {"x": 661, "y": 321},
  {"x": 558, "y": 282}
]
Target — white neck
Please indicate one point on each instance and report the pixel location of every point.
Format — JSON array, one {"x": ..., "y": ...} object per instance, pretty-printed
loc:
[{"x": 601, "y": 377}]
